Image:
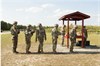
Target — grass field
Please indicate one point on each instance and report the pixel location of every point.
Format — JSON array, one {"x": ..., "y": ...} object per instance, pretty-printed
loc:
[
  {"x": 6, "y": 39},
  {"x": 48, "y": 58}
]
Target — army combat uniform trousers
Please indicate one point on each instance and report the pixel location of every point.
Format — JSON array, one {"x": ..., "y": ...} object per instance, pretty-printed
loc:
[
  {"x": 72, "y": 45},
  {"x": 28, "y": 44},
  {"x": 15, "y": 41},
  {"x": 40, "y": 47},
  {"x": 62, "y": 40},
  {"x": 85, "y": 39},
  {"x": 54, "y": 41}
]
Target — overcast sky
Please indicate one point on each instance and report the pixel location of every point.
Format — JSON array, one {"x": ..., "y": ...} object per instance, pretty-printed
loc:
[{"x": 47, "y": 12}]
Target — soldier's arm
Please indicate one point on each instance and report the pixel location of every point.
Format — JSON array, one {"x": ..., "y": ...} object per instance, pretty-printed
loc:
[
  {"x": 12, "y": 31},
  {"x": 45, "y": 35},
  {"x": 86, "y": 33},
  {"x": 36, "y": 35},
  {"x": 52, "y": 32},
  {"x": 58, "y": 32},
  {"x": 71, "y": 35},
  {"x": 32, "y": 31},
  {"x": 26, "y": 32},
  {"x": 18, "y": 31}
]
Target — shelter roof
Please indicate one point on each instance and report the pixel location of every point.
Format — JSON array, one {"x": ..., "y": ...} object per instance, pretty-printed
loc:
[{"x": 75, "y": 16}]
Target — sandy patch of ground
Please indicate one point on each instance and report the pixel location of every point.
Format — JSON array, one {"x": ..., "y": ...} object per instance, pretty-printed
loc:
[{"x": 81, "y": 57}]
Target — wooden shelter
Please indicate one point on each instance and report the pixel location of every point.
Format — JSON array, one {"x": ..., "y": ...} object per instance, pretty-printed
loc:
[{"x": 76, "y": 16}]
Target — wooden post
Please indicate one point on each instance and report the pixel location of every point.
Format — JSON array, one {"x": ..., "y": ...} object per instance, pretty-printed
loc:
[
  {"x": 63, "y": 22},
  {"x": 68, "y": 34},
  {"x": 82, "y": 33},
  {"x": 75, "y": 29},
  {"x": 75, "y": 22}
]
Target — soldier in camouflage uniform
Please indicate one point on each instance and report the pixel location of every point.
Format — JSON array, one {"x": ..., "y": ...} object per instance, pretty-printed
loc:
[
  {"x": 55, "y": 34},
  {"x": 28, "y": 34},
  {"x": 40, "y": 35},
  {"x": 73, "y": 38},
  {"x": 85, "y": 34},
  {"x": 63, "y": 34},
  {"x": 14, "y": 32}
]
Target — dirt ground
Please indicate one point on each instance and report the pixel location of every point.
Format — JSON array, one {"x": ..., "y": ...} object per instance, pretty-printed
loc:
[{"x": 81, "y": 56}]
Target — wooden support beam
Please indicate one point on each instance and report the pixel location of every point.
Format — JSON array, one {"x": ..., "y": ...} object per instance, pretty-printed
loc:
[
  {"x": 68, "y": 34},
  {"x": 63, "y": 22},
  {"x": 75, "y": 22},
  {"x": 82, "y": 34}
]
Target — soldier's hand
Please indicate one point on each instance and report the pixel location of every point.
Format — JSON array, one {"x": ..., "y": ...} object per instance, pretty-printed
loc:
[
  {"x": 18, "y": 31},
  {"x": 45, "y": 39},
  {"x": 33, "y": 31},
  {"x": 35, "y": 40}
]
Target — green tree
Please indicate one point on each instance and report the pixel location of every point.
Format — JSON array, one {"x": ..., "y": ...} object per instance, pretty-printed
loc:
[
  {"x": 3, "y": 25},
  {"x": 9, "y": 26}
]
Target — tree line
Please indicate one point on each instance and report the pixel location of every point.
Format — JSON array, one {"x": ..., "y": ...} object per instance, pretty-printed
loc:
[{"x": 6, "y": 26}]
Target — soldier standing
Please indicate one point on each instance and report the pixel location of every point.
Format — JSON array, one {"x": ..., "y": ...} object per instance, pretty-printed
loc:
[
  {"x": 63, "y": 34},
  {"x": 85, "y": 34},
  {"x": 73, "y": 38},
  {"x": 55, "y": 34},
  {"x": 14, "y": 32},
  {"x": 40, "y": 35},
  {"x": 28, "y": 34}
]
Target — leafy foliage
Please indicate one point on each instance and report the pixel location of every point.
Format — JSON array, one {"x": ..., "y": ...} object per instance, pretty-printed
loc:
[{"x": 7, "y": 26}]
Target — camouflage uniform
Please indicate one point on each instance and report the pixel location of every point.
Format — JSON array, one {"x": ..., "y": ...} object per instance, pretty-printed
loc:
[
  {"x": 63, "y": 34},
  {"x": 28, "y": 34},
  {"x": 40, "y": 35},
  {"x": 72, "y": 38},
  {"x": 14, "y": 32},
  {"x": 55, "y": 34},
  {"x": 85, "y": 34}
]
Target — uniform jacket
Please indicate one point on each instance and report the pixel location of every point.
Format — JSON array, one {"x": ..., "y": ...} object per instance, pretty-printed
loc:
[{"x": 14, "y": 31}]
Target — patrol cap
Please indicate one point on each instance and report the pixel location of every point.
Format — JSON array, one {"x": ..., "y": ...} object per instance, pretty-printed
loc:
[
  {"x": 39, "y": 24},
  {"x": 15, "y": 22},
  {"x": 56, "y": 25},
  {"x": 64, "y": 25},
  {"x": 84, "y": 26},
  {"x": 29, "y": 25}
]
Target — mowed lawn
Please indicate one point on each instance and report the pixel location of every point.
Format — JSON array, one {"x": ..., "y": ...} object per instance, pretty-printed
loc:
[{"x": 67, "y": 59}]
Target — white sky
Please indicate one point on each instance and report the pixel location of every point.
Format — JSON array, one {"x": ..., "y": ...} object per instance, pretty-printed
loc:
[{"x": 47, "y": 12}]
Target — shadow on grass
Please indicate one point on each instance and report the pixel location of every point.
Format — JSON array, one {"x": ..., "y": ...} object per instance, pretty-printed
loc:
[
  {"x": 59, "y": 53},
  {"x": 92, "y": 47}
]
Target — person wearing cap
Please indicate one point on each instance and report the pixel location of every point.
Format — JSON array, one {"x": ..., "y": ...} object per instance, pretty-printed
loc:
[
  {"x": 40, "y": 36},
  {"x": 55, "y": 34},
  {"x": 72, "y": 37},
  {"x": 14, "y": 33},
  {"x": 63, "y": 34},
  {"x": 28, "y": 34},
  {"x": 85, "y": 34}
]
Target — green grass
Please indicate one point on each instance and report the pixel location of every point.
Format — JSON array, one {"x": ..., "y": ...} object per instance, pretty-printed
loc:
[
  {"x": 6, "y": 39},
  {"x": 94, "y": 38},
  {"x": 10, "y": 59}
]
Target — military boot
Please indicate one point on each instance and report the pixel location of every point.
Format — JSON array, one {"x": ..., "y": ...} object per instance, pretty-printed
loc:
[{"x": 14, "y": 51}]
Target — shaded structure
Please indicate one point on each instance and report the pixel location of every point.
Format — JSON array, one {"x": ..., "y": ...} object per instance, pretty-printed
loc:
[{"x": 76, "y": 16}]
